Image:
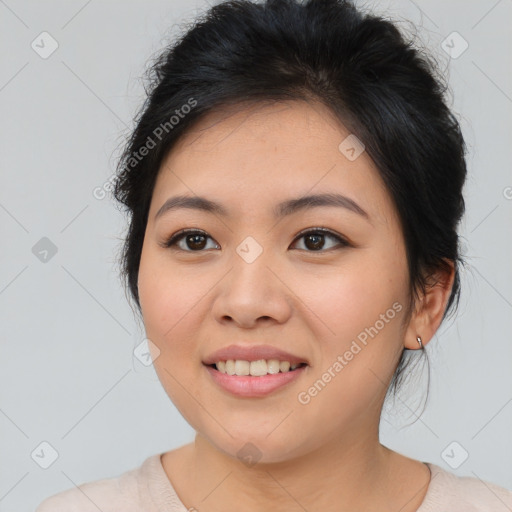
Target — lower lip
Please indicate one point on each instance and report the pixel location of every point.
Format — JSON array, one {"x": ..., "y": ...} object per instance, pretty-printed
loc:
[{"x": 251, "y": 387}]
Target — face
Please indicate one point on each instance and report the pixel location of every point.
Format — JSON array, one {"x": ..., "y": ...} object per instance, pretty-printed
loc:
[{"x": 325, "y": 283}]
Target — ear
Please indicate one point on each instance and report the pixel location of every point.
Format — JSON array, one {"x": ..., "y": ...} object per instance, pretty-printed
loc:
[{"x": 429, "y": 312}]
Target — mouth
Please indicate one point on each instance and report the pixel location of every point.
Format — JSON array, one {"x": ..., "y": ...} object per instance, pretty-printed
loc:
[
  {"x": 258, "y": 368},
  {"x": 254, "y": 379},
  {"x": 254, "y": 370}
]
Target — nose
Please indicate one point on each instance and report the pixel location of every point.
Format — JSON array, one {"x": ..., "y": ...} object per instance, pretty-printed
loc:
[{"x": 253, "y": 293}]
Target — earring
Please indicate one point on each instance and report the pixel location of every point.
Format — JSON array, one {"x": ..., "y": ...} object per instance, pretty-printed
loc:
[{"x": 418, "y": 339}]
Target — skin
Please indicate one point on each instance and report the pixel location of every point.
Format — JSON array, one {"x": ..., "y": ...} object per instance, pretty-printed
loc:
[{"x": 324, "y": 455}]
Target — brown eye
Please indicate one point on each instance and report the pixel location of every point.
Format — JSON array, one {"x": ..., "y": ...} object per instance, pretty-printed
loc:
[
  {"x": 315, "y": 240},
  {"x": 189, "y": 241},
  {"x": 195, "y": 241}
]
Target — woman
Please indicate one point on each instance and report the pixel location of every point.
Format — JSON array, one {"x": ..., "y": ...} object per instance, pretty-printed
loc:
[{"x": 294, "y": 185}]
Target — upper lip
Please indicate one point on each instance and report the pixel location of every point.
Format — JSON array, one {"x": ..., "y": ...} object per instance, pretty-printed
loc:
[{"x": 252, "y": 353}]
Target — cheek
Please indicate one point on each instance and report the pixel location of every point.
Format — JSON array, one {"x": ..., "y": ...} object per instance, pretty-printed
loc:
[
  {"x": 352, "y": 298},
  {"x": 167, "y": 300},
  {"x": 170, "y": 304},
  {"x": 358, "y": 312}
]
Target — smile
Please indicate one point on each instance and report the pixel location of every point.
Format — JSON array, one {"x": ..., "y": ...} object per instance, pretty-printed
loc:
[
  {"x": 257, "y": 368},
  {"x": 236, "y": 377}
]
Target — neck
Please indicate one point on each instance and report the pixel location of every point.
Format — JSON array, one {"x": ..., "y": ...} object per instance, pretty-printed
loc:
[{"x": 347, "y": 474}]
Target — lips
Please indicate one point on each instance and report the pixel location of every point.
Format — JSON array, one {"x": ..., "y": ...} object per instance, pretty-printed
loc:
[
  {"x": 253, "y": 353},
  {"x": 254, "y": 387}
]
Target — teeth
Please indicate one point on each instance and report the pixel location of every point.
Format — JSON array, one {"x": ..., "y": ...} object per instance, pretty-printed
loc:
[
  {"x": 255, "y": 368},
  {"x": 242, "y": 367},
  {"x": 273, "y": 366},
  {"x": 284, "y": 366},
  {"x": 230, "y": 367}
]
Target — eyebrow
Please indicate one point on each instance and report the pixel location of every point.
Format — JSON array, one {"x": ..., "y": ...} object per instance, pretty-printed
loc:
[{"x": 283, "y": 209}]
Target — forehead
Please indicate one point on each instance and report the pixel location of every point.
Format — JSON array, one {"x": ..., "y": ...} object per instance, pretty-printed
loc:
[{"x": 268, "y": 152}]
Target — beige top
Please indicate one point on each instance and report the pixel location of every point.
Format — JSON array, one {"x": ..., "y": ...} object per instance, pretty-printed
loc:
[{"x": 148, "y": 489}]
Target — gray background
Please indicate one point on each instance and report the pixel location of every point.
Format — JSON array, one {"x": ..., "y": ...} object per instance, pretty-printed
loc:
[{"x": 68, "y": 375}]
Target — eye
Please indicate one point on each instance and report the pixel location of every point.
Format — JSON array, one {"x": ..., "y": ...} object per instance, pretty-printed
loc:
[
  {"x": 192, "y": 238},
  {"x": 314, "y": 239}
]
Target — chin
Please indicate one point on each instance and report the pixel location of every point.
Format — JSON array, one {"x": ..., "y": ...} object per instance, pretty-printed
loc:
[{"x": 259, "y": 448}]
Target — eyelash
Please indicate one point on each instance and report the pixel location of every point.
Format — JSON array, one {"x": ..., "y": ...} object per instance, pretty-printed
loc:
[{"x": 176, "y": 237}]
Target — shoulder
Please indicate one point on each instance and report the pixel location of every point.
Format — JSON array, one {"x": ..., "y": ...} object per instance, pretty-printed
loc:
[
  {"x": 127, "y": 492},
  {"x": 448, "y": 492}
]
